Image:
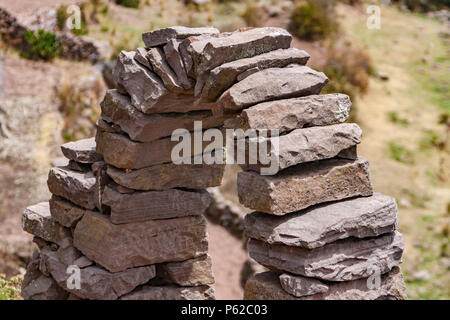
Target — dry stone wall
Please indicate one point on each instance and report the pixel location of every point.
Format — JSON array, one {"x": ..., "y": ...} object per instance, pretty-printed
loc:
[{"x": 128, "y": 222}]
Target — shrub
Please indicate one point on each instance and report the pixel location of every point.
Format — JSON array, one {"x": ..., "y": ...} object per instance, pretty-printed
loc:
[
  {"x": 128, "y": 3},
  {"x": 61, "y": 16},
  {"x": 10, "y": 289},
  {"x": 348, "y": 68},
  {"x": 313, "y": 20},
  {"x": 424, "y": 5},
  {"x": 41, "y": 45},
  {"x": 254, "y": 15}
]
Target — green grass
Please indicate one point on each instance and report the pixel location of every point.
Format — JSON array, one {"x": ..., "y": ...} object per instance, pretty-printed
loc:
[
  {"x": 400, "y": 153},
  {"x": 10, "y": 289}
]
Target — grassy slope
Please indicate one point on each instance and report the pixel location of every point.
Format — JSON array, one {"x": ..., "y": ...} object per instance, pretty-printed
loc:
[{"x": 407, "y": 47}]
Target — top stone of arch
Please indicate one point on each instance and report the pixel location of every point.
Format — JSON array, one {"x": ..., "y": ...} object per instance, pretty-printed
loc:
[
  {"x": 206, "y": 48},
  {"x": 162, "y": 36}
]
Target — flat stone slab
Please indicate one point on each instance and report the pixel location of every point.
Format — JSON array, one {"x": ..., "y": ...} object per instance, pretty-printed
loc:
[
  {"x": 97, "y": 283},
  {"x": 162, "y": 36},
  {"x": 37, "y": 286},
  {"x": 65, "y": 212},
  {"x": 161, "y": 67},
  {"x": 78, "y": 187},
  {"x": 189, "y": 273},
  {"x": 82, "y": 151},
  {"x": 153, "y": 205},
  {"x": 305, "y": 185},
  {"x": 299, "y": 286},
  {"x": 266, "y": 286},
  {"x": 318, "y": 225},
  {"x": 306, "y": 145},
  {"x": 289, "y": 114},
  {"x": 38, "y": 221},
  {"x": 223, "y": 76},
  {"x": 168, "y": 176},
  {"x": 144, "y": 87},
  {"x": 171, "y": 292},
  {"x": 123, "y": 246},
  {"x": 175, "y": 60},
  {"x": 271, "y": 84},
  {"x": 141, "y": 57},
  {"x": 214, "y": 51},
  {"x": 147, "y": 91},
  {"x": 343, "y": 260},
  {"x": 117, "y": 109},
  {"x": 121, "y": 152}
]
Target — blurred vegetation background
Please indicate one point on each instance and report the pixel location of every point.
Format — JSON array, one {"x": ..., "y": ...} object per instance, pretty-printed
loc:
[{"x": 397, "y": 76}]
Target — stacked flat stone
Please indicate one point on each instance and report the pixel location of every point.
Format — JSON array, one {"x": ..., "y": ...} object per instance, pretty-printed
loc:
[
  {"x": 131, "y": 220},
  {"x": 318, "y": 225},
  {"x": 121, "y": 211}
]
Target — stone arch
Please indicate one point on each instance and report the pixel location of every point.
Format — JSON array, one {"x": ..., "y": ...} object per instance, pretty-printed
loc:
[{"x": 130, "y": 221}]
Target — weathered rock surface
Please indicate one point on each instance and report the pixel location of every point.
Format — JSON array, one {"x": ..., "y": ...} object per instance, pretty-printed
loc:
[
  {"x": 223, "y": 76},
  {"x": 304, "y": 185},
  {"x": 118, "y": 247},
  {"x": 97, "y": 283},
  {"x": 38, "y": 221},
  {"x": 308, "y": 144},
  {"x": 171, "y": 292},
  {"x": 64, "y": 212},
  {"x": 117, "y": 109},
  {"x": 189, "y": 273},
  {"x": 144, "y": 87},
  {"x": 162, "y": 36},
  {"x": 79, "y": 187},
  {"x": 101, "y": 181},
  {"x": 163, "y": 70},
  {"x": 175, "y": 60},
  {"x": 266, "y": 286},
  {"x": 141, "y": 57},
  {"x": 343, "y": 260},
  {"x": 200, "y": 41},
  {"x": 169, "y": 176},
  {"x": 121, "y": 152},
  {"x": 36, "y": 286},
  {"x": 316, "y": 226},
  {"x": 271, "y": 84},
  {"x": 299, "y": 286},
  {"x": 82, "y": 151},
  {"x": 77, "y": 166},
  {"x": 147, "y": 91},
  {"x": 289, "y": 114},
  {"x": 214, "y": 51},
  {"x": 153, "y": 205}
]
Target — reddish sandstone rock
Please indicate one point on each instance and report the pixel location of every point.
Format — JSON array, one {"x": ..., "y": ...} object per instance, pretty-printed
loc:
[
  {"x": 266, "y": 286},
  {"x": 289, "y": 114},
  {"x": 316, "y": 226},
  {"x": 152, "y": 205},
  {"x": 270, "y": 84},
  {"x": 77, "y": 186},
  {"x": 162, "y": 36},
  {"x": 343, "y": 260},
  {"x": 118, "y": 247},
  {"x": 304, "y": 185},
  {"x": 82, "y": 151},
  {"x": 168, "y": 176},
  {"x": 223, "y": 76},
  {"x": 192, "y": 272},
  {"x": 38, "y": 221}
]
